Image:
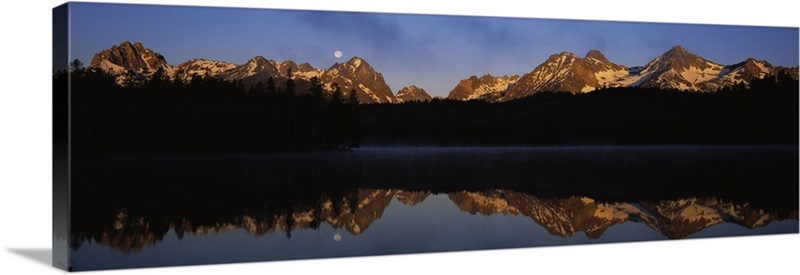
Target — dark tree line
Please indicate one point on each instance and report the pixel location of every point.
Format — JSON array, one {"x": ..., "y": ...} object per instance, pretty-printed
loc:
[
  {"x": 155, "y": 114},
  {"x": 765, "y": 112}
]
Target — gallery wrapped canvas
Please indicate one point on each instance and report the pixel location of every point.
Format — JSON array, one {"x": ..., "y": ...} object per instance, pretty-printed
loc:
[{"x": 209, "y": 135}]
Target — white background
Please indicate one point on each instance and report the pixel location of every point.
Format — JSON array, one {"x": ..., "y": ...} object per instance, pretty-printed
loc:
[{"x": 25, "y": 152}]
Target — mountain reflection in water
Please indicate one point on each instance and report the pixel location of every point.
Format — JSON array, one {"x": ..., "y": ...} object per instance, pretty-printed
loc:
[
  {"x": 200, "y": 209},
  {"x": 563, "y": 217}
]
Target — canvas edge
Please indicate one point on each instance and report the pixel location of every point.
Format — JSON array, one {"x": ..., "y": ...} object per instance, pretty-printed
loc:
[{"x": 61, "y": 143}]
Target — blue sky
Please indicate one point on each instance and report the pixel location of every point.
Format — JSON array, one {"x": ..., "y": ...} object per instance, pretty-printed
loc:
[{"x": 432, "y": 52}]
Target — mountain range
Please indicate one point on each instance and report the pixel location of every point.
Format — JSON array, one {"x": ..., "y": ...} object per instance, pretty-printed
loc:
[
  {"x": 132, "y": 60},
  {"x": 563, "y": 72},
  {"x": 676, "y": 69}
]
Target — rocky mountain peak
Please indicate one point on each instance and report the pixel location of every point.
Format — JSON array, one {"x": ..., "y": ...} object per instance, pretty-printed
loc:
[
  {"x": 678, "y": 49},
  {"x": 597, "y": 62},
  {"x": 412, "y": 93},
  {"x": 356, "y": 63},
  {"x": 258, "y": 63},
  {"x": 566, "y": 72},
  {"x": 596, "y": 54},
  {"x": 202, "y": 68},
  {"x": 256, "y": 67},
  {"x": 131, "y": 56},
  {"x": 561, "y": 58},
  {"x": 680, "y": 59},
  {"x": 676, "y": 53},
  {"x": 305, "y": 66},
  {"x": 678, "y": 69},
  {"x": 358, "y": 75},
  {"x": 284, "y": 67},
  {"x": 757, "y": 66},
  {"x": 740, "y": 72},
  {"x": 352, "y": 66},
  {"x": 136, "y": 45},
  {"x": 753, "y": 63},
  {"x": 484, "y": 87},
  {"x": 258, "y": 60}
]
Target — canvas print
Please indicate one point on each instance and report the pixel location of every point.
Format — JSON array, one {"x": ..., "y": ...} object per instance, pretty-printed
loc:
[{"x": 201, "y": 135}]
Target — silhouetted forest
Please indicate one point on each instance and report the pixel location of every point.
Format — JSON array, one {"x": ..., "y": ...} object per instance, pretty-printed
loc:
[
  {"x": 205, "y": 115},
  {"x": 154, "y": 114},
  {"x": 766, "y": 113}
]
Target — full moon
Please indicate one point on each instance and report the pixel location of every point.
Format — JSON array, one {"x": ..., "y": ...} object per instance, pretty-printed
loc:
[{"x": 337, "y": 54}]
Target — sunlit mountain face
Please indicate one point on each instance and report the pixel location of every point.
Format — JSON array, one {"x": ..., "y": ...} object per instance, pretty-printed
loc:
[
  {"x": 128, "y": 62},
  {"x": 675, "y": 69}
]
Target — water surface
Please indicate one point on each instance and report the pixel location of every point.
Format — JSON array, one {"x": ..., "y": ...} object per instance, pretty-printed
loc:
[{"x": 197, "y": 209}]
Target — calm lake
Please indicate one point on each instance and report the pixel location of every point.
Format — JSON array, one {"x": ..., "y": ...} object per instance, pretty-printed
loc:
[{"x": 147, "y": 211}]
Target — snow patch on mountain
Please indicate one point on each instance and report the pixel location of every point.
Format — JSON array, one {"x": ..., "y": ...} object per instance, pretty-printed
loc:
[
  {"x": 611, "y": 77},
  {"x": 309, "y": 74},
  {"x": 111, "y": 67}
]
